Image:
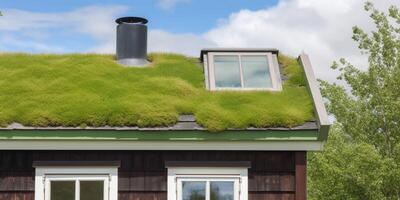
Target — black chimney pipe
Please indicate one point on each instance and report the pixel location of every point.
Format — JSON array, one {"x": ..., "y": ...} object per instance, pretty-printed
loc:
[{"x": 132, "y": 41}]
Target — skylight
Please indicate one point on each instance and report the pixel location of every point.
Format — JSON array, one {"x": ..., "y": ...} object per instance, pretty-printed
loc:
[{"x": 241, "y": 70}]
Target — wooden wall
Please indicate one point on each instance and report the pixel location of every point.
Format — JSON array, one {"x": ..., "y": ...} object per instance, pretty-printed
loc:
[{"x": 142, "y": 175}]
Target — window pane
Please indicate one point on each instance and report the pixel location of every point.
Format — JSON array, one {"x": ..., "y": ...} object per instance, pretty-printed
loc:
[
  {"x": 193, "y": 190},
  {"x": 256, "y": 72},
  {"x": 62, "y": 190},
  {"x": 221, "y": 190},
  {"x": 227, "y": 71},
  {"x": 92, "y": 190}
]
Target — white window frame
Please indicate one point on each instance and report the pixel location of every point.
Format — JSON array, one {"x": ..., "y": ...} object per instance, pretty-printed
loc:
[
  {"x": 235, "y": 180},
  {"x": 238, "y": 175},
  {"x": 273, "y": 65},
  {"x": 44, "y": 175}
]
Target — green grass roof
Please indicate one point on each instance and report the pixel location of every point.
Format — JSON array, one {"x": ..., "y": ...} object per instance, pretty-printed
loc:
[{"x": 92, "y": 90}]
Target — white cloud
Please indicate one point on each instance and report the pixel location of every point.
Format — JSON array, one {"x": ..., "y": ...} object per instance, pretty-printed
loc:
[
  {"x": 321, "y": 28},
  {"x": 169, "y": 4},
  {"x": 34, "y": 28},
  {"x": 163, "y": 41},
  {"x": 10, "y": 41},
  {"x": 190, "y": 44},
  {"x": 30, "y": 30}
]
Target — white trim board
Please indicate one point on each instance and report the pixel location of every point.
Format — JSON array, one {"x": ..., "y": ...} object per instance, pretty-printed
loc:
[
  {"x": 45, "y": 174},
  {"x": 319, "y": 106},
  {"x": 162, "y": 145}
]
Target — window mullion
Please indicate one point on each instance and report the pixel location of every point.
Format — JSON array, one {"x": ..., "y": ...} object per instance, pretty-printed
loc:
[
  {"x": 208, "y": 190},
  {"x": 241, "y": 71},
  {"x": 77, "y": 190}
]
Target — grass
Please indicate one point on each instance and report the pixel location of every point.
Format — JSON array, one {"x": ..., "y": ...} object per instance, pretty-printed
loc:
[{"x": 92, "y": 90}]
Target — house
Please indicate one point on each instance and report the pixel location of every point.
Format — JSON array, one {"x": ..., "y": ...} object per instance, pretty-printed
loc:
[{"x": 235, "y": 124}]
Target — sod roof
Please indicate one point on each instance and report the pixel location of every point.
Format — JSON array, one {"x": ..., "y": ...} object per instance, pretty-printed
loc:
[{"x": 92, "y": 90}]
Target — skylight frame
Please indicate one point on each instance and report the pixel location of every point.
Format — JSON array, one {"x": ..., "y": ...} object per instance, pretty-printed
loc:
[{"x": 209, "y": 71}]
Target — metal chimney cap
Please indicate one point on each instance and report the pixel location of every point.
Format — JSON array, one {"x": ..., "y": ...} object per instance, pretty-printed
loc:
[{"x": 131, "y": 20}]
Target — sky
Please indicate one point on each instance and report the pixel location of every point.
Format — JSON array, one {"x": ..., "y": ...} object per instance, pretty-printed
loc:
[{"x": 320, "y": 28}]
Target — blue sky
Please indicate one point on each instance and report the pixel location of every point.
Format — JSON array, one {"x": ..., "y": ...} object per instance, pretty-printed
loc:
[
  {"x": 179, "y": 16},
  {"x": 63, "y": 35},
  {"x": 321, "y": 28}
]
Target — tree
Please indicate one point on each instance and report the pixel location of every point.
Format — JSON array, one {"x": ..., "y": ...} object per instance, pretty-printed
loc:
[
  {"x": 346, "y": 170},
  {"x": 371, "y": 112},
  {"x": 362, "y": 156}
]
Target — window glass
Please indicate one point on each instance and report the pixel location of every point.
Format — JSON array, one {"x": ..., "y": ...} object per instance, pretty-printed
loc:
[
  {"x": 256, "y": 72},
  {"x": 227, "y": 71},
  {"x": 193, "y": 190},
  {"x": 62, "y": 190},
  {"x": 92, "y": 190},
  {"x": 221, "y": 190}
]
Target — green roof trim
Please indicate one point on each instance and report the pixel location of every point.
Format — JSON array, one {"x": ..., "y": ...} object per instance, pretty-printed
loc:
[
  {"x": 272, "y": 135},
  {"x": 93, "y": 90}
]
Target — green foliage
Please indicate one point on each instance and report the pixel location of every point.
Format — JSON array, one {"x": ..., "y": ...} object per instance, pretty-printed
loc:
[
  {"x": 362, "y": 156},
  {"x": 346, "y": 170},
  {"x": 371, "y": 112},
  {"x": 92, "y": 90},
  {"x": 292, "y": 70}
]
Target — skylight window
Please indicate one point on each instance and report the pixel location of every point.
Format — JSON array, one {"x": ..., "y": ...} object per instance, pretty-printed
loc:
[
  {"x": 227, "y": 71},
  {"x": 242, "y": 71}
]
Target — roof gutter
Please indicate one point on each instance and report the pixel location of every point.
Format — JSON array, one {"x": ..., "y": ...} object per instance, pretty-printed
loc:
[{"x": 322, "y": 117}]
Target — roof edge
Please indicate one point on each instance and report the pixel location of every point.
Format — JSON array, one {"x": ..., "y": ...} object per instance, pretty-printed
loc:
[
  {"x": 165, "y": 145},
  {"x": 185, "y": 123},
  {"x": 319, "y": 106},
  {"x": 114, "y": 135}
]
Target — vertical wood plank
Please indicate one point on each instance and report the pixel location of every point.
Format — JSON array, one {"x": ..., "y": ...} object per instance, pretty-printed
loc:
[
  {"x": 287, "y": 182},
  {"x": 123, "y": 181},
  {"x": 252, "y": 182},
  {"x": 155, "y": 181},
  {"x": 301, "y": 175},
  {"x": 137, "y": 181}
]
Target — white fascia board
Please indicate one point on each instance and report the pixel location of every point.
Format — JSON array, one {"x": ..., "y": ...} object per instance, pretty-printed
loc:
[
  {"x": 319, "y": 107},
  {"x": 162, "y": 145}
]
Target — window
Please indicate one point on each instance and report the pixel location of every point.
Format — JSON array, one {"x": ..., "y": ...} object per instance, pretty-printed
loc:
[
  {"x": 211, "y": 183},
  {"x": 242, "y": 71},
  {"x": 227, "y": 71},
  {"x": 76, "y": 187},
  {"x": 76, "y": 183},
  {"x": 210, "y": 188}
]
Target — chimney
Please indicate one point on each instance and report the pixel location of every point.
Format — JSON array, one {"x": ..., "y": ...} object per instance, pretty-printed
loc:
[{"x": 132, "y": 41}]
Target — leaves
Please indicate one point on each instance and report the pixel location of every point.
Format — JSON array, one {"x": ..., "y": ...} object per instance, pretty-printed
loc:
[
  {"x": 370, "y": 112},
  {"x": 361, "y": 159},
  {"x": 346, "y": 170}
]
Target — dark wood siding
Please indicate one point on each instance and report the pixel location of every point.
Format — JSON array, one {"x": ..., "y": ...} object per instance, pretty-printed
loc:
[{"x": 142, "y": 174}]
